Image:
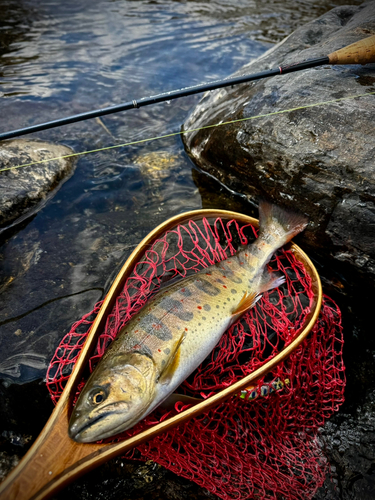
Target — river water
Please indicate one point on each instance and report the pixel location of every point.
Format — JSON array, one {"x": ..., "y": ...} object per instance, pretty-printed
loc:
[{"x": 62, "y": 58}]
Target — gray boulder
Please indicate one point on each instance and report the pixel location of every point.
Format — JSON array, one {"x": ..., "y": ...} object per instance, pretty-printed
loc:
[
  {"x": 24, "y": 190},
  {"x": 319, "y": 160}
]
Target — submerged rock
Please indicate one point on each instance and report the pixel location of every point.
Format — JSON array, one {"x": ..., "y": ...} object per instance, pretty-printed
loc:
[
  {"x": 26, "y": 188},
  {"x": 320, "y": 159}
]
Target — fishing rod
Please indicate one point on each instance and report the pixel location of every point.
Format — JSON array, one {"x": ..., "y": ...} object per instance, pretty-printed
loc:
[{"x": 361, "y": 52}]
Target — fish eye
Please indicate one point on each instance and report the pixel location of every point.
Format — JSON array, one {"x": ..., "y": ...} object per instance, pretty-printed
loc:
[{"x": 97, "y": 396}]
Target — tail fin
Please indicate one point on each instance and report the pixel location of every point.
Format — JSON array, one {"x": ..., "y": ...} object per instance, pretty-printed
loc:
[{"x": 278, "y": 224}]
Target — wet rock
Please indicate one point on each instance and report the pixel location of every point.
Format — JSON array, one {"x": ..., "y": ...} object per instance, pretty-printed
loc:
[
  {"x": 26, "y": 188},
  {"x": 121, "y": 479},
  {"x": 349, "y": 445},
  {"x": 23, "y": 411},
  {"x": 319, "y": 159}
]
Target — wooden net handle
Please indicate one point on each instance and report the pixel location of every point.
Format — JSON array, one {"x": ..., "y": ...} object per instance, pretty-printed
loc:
[{"x": 362, "y": 52}]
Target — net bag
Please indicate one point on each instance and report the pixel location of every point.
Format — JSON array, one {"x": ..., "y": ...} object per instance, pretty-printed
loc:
[{"x": 262, "y": 443}]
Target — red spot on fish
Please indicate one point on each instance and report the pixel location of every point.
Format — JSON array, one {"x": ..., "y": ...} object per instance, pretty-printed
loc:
[
  {"x": 186, "y": 329},
  {"x": 199, "y": 307},
  {"x": 159, "y": 350},
  {"x": 224, "y": 286},
  {"x": 183, "y": 290},
  {"x": 246, "y": 255},
  {"x": 136, "y": 331},
  {"x": 156, "y": 326},
  {"x": 136, "y": 346},
  {"x": 224, "y": 276},
  {"x": 208, "y": 274}
]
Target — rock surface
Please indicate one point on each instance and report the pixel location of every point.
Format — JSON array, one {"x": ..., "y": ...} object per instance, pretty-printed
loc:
[
  {"x": 349, "y": 445},
  {"x": 21, "y": 189},
  {"x": 319, "y": 159}
]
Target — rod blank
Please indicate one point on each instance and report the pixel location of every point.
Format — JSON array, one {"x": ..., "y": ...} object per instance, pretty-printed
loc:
[{"x": 167, "y": 96}]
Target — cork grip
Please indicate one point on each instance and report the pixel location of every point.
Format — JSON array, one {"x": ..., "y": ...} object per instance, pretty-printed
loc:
[{"x": 362, "y": 52}]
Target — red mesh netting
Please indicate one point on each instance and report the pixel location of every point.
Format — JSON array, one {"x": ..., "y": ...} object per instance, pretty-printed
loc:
[{"x": 264, "y": 446}]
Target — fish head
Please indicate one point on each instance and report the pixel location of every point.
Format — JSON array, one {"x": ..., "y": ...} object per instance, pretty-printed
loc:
[{"x": 116, "y": 395}]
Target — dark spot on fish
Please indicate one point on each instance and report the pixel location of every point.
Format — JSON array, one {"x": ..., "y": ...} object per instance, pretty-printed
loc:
[
  {"x": 176, "y": 308},
  {"x": 234, "y": 278},
  {"x": 233, "y": 290},
  {"x": 163, "y": 362},
  {"x": 217, "y": 307},
  {"x": 203, "y": 318},
  {"x": 167, "y": 351},
  {"x": 207, "y": 287},
  {"x": 220, "y": 281},
  {"x": 207, "y": 307},
  {"x": 199, "y": 324},
  {"x": 158, "y": 328},
  {"x": 142, "y": 349}
]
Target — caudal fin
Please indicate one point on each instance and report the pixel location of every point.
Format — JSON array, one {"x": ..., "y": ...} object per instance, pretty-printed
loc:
[{"x": 278, "y": 224}]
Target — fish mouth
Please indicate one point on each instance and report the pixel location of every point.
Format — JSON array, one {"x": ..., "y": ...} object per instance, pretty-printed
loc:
[{"x": 86, "y": 431}]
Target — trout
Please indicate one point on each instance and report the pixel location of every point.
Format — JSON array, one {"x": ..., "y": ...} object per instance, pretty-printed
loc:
[{"x": 175, "y": 331}]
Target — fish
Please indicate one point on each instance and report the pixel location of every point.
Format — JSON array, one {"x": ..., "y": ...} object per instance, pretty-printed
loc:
[{"x": 175, "y": 331}]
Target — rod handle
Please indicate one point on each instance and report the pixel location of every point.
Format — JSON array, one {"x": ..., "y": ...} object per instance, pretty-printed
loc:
[{"x": 361, "y": 52}]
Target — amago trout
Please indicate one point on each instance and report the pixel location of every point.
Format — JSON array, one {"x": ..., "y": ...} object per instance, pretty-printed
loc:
[{"x": 174, "y": 332}]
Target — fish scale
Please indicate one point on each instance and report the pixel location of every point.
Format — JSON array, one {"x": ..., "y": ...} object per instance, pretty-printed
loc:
[
  {"x": 175, "y": 331},
  {"x": 178, "y": 313}
]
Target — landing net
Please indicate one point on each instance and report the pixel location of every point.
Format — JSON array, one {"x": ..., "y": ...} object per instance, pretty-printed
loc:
[{"x": 262, "y": 443}]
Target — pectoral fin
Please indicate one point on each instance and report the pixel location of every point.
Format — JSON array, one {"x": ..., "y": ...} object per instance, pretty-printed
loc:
[
  {"x": 168, "y": 404},
  {"x": 170, "y": 367}
]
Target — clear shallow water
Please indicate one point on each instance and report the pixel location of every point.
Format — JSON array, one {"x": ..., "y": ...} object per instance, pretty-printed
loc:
[{"x": 60, "y": 58}]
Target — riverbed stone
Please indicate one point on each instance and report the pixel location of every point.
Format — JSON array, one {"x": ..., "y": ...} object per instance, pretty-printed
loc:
[
  {"x": 23, "y": 189},
  {"x": 319, "y": 160}
]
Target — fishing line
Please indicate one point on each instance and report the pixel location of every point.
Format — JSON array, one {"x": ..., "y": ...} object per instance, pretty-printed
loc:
[{"x": 181, "y": 132}]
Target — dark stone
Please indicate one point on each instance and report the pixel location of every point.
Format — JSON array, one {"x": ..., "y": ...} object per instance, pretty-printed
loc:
[
  {"x": 319, "y": 160},
  {"x": 23, "y": 411},
  {"x": 120, "y": 479},
  {"x": 349, "y": 445},
  {"x": 22, "y": 189}
]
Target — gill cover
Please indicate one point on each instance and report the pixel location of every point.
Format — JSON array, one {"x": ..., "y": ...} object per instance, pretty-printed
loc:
[{"x": 114, "y": 398}]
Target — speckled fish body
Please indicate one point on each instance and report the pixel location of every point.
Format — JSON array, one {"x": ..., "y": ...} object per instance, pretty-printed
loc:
[{"x": 174, "y": 332}]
